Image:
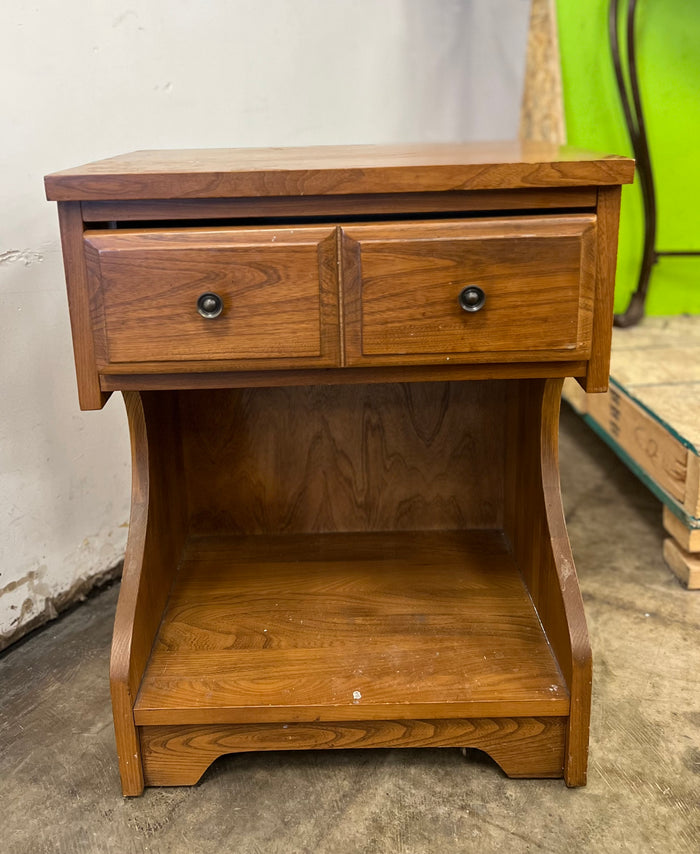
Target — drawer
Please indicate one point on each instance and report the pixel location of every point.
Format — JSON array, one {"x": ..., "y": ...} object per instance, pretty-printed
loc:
[
  {"x": 277, "y": 289},
  {"x": 403, "y": 281}
]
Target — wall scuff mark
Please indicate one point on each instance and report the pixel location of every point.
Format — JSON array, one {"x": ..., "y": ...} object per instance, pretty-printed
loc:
[
  {"x": 24, "y": 256},
  {"x": 54, "y": 605}
]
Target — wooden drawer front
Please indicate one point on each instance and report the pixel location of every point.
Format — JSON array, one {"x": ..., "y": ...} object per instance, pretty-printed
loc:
[
  {"x": 402, "y": 283},
  {"x": 278, "y": 286}
]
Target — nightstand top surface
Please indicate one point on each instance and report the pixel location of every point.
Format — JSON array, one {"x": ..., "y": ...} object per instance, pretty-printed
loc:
[{"x": 336, "y": 170}]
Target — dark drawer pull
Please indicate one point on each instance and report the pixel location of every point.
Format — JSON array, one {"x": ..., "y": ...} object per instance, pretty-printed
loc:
[
  {"x": 210, "y": 305},
  {"x": 472, "y": 298}
]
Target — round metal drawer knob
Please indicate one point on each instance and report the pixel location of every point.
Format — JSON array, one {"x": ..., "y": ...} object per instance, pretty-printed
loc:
[
  {"x": 210, "y": 305},
  {"x": 472, "y": 298}
]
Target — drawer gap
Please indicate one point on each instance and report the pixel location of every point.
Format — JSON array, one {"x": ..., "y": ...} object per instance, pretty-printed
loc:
[{"x": 255, "y": 221}]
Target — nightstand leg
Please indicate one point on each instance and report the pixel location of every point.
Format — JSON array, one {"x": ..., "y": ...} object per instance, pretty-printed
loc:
[
  {"x": 534, "y": 523},
  {"x": 157, "y": 529}
]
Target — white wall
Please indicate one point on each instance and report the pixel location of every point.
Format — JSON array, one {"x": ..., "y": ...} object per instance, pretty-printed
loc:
[{"x": 84, "y": 80}]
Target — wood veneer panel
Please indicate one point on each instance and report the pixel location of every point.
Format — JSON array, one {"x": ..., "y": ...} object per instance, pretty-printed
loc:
[
  {"x": 480, "y": 366},
  {"x": 401, "y": 283},
  {"x": 343, "y": 376},
  {"x": 608, "y": 215},
  {"x": 322, "y": 170},
  {"x": 345, "y": 458},
  {"x": 278, "y": 287},
  {"x": 523, "y": 747},
  {"x": 340, "y": 626},
  {"x": 344, "y": 205},
  {"x": 90, "y": 395}
]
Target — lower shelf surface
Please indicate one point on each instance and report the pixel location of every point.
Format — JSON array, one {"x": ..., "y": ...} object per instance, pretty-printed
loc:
[{"x": 349, "y": 627}]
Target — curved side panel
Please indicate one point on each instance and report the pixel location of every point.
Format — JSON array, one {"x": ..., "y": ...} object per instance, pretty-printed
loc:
[
  {"x": 534, "y": 523},
  {"x": 572, "y": 635},
  {"x": 156, "y": 534},
  {"x": 123, "y": 689},
  {"x": 522, "y": 747}
]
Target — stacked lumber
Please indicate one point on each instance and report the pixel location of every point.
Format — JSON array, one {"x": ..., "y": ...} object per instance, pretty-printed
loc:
[{"x": 651, "y": 418}]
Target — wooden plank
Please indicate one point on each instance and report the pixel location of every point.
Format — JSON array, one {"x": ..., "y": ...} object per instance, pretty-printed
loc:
[
  {"x": 457, "y": 201},
  {"x": 687, "y": 537},
  {"x": 650, "y": 414},
  {"x": 211, "y": 379},
  {"x": 345, "y": 458},
  {"x": 90, "y": 395},
  {"x": 542, "y": 109},
  {"x": 336, "y": 170},
  {"x": 684, "y": 565},
  {"x": 523, "y": 747},
  {"x": 650, "y": 418},
  {"x": 671, "y": 365},
  {"x": 643, "y": 438},
  {"x": 692, "y": 488},
  {"x": 608, "y": 215},
  {"x": 675, "y": 404},
  {"x": 462, "y": 640},
  {"x": 680, "y": 331},
  {"x": 497, "y": 364}
]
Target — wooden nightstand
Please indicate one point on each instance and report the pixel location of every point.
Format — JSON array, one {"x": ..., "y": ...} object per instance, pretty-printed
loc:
[{"x": 342, "y": 370}]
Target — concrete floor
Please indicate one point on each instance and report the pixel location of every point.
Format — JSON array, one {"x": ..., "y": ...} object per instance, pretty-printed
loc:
[{"x": 59, "y": 789}]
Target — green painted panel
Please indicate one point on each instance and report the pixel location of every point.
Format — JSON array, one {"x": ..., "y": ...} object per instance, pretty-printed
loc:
[{"x": 668, "y": 53}]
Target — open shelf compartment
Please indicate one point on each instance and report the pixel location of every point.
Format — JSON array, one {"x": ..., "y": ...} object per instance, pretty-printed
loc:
[
  {"x": 342, "y": 627},
  {"x": 348, "y": 566}
]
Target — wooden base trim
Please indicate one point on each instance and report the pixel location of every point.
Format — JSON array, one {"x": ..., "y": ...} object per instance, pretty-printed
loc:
[
  {"x": 522, "y": 747},
  {"x": 337, "y": 376}
]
